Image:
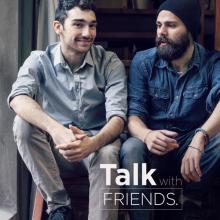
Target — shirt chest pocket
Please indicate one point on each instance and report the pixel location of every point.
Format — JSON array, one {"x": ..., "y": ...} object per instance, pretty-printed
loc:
[
  {"x": 159, "y": 99},
  {"x": 195, "y": 93}
]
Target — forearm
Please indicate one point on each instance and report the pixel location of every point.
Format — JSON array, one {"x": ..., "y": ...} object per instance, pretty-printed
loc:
[
  {"x": 109, "y": 132},
  {"x": 137, "y": 128},
  {"x": 212, "y": 125},
  {"x": 31, "y": 111}
]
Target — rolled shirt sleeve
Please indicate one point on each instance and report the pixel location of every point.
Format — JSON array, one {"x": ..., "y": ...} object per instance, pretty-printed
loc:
[
  {"x": 115, "y": 89},
  {"x": 214, "y": 94},
  {"x": 27, "y": 82},
  {"x": 137, "y": 89}
]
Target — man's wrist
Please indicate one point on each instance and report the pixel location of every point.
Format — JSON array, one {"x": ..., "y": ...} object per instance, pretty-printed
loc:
[
  {"x": 197, "y": 148},
  {"x": 204, "y": 133},
  {"x": 96, "y": 142},
  {"x": 54, "y": 126},
  {"x": 146, "y": 135}
]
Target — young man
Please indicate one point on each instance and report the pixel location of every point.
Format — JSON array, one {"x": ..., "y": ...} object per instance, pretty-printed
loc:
[
  {"x": 70, "y": 102},
  {"x": 174, "y": 92}
]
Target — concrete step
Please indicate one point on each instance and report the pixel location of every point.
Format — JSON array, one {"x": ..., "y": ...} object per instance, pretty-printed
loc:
[{"x": 6, "y": 214}]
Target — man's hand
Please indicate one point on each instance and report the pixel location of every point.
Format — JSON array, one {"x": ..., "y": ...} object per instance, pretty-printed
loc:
[
  {"x": 77, "y": 150},
  {"x": 190, "y": 167},
  {"x": 62, "y": 135},
  {"x": 79, "y": 134},
  {"x": 161, "y": 142},
  {"x": 69, "y": 142}
]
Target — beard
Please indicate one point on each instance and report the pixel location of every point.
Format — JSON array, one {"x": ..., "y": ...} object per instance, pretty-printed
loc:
[{"x": 174, "y": 49}]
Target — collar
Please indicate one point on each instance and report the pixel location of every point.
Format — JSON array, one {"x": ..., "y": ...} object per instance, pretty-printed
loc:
[
  {"x": 196, "y": 58},
  {"x": 59, "y": 59},
  {"x": 88, "y": 59}
]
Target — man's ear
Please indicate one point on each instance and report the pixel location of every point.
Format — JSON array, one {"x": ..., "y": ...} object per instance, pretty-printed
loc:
[{"x": 58, "y": 27}]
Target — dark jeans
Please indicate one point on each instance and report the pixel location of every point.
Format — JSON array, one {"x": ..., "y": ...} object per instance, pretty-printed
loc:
[{"x": 135, "y": 151}]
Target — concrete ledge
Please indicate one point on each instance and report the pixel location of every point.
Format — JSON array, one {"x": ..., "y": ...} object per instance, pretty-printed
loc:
[{"x": 7, "y": 215}]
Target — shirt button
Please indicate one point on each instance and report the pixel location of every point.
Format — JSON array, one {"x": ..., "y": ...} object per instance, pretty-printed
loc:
[
  {"x": 195, "y": 95},
  {"x": 177, "y": 97}
]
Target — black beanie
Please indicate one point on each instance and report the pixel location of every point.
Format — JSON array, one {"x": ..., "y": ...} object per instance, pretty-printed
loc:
[{"x": 188, "y": 11}]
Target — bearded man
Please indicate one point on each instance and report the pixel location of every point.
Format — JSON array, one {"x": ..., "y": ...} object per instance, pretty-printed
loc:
[{"x": 174, "y": 92}]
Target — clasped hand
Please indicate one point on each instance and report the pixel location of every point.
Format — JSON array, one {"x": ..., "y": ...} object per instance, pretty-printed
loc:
[
  {"x": 161, "y": 142},
  {"x": 73, "y": 143}
]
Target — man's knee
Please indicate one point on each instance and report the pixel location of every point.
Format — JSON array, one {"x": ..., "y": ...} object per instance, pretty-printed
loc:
[
  {"x": 216, "y": 152},
  {"x": 213, "y": 148},
  {"x": 132, "y": 149},
  {"x": 25, "y": 133},
  {"x": 210, "y": 160},
  {"x": 108, "y": 154},
  {"x": 21, "y": 130}
]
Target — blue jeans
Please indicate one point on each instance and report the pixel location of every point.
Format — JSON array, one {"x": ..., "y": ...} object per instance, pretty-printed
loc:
[{"x": 135, "y": 151}]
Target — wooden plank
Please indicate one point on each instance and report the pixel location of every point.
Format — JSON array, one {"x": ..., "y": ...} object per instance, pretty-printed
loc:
[
  {"x": 38, "y": 206},
  {"x": 202, "y": 21},
  {"x": 122, "y": 11},
  {"x": 217, "y": 25},
  {"x": 125, "y": 35}
]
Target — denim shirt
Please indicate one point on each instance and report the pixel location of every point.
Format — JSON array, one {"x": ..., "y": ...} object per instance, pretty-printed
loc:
[
  {"x": 164, "y": 99},
  {"x": 87, "y": 96}
]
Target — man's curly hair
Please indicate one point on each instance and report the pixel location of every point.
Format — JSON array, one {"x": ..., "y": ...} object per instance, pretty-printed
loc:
[{"x": 66, "y": 5}]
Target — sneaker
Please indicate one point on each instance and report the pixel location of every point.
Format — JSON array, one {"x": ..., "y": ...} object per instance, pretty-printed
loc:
[{"x": 61, "y": 213}]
